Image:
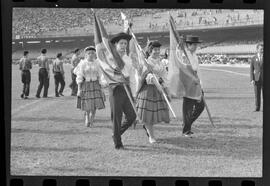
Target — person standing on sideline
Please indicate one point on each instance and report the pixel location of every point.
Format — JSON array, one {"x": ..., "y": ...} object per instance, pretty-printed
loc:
[
  {"x": 43, "y": 74},
  {"x": 151, "y": 105},
  {"x": 256, "y": 75},
  {"x": 89, "y": 79},
  {"x": 59, "y": 76},
  {"x": 192, "y": 108},
  {"x": 25, "y": 66},
  {"x": 165, "y": 60},
  {"x": 74, "y": 62},
  {"x": 119, "y": 100}
]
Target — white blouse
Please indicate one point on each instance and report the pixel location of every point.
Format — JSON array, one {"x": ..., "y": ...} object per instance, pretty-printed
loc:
[
  {"x": 159, "y": 69},
  {"x": 90, "y": 71}
]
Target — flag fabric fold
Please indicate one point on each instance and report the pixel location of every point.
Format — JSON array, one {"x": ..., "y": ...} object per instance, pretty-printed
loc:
[
  {"x": 110, "y": 61},
  {"x": 183, "y": 81}
]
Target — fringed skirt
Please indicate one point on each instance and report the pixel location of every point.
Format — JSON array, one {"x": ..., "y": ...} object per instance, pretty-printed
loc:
[
  {"x": 92, "y": 97},
  {"x": 151, "y": 106}
]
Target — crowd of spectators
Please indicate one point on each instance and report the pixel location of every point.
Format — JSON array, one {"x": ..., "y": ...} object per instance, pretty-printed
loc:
[
  {"x": 34, "y": 22},
  {"x": 202, "y": 18},
  {"x": 222, "y": 59},
  {"x": 37, "y": 21}
]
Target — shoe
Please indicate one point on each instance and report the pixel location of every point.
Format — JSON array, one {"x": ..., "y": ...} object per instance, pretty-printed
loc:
[
  {"x": 25, "y": 97},
  {"x": 22, "y": 95},
  {"x": 57, "y": 96},
  {"x": 152, "y": 140},
  {"x": 187, "y": 134},
  {"x": 191, "y": 132},
  {"x": 37, "y": 96},
  {"x": 119, "y": 147},
  {"x": 256, "y": 110},
  {"x": 61, "y": 94},
  {"x": 45, "y": 96},
  {"x": 145, "y": 131}
]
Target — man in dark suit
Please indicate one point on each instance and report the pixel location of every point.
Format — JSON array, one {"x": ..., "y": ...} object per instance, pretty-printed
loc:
[{"x": 256, "y": 75}]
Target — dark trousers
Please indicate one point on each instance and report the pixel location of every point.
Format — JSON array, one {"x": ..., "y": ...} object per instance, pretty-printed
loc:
[
  {"x": 258, "y": 87},
  {"x": 120, "y": 104},
  {"x": 43, "y": 82},
  {"x": 26, "y": 79},
  {"x": 73, "y": 85},
  {"x": 58, "y": 78},
  {"x": 192, "y": 109}
]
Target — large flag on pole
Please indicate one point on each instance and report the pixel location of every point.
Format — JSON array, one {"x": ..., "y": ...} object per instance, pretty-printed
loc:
[
  {"x": 110, "y": 61},
  {"x": 183, "y": 81}
]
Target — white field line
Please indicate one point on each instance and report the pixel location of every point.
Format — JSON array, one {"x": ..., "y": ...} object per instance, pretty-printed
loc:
[{"x": 228, "y": 71}]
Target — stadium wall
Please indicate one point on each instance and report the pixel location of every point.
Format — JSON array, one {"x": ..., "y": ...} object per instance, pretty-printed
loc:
[{"x": 66, "y": 44}]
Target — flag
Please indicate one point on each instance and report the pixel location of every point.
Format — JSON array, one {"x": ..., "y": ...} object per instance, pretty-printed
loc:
[
  {"x": 110, "y": 61},
  {"x": 134, "y": 53},
  {"x": 183, "y": 81}
]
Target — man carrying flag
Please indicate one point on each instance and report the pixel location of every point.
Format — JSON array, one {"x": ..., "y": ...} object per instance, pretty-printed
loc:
[
  {"x": 116, "y": 66},
  {"x": 184, "y": 76}
]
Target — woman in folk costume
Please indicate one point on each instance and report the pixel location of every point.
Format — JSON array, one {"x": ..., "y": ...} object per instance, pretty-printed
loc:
[
  {"x": 151, "y": 105},
  {"x": 89, "y": 79}
]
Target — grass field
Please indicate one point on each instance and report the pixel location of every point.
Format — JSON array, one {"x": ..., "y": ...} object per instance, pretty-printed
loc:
[{"x": 48, "y": 136}]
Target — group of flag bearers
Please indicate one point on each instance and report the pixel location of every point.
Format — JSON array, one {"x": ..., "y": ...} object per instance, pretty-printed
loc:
[{"x": 108, "y": 65}]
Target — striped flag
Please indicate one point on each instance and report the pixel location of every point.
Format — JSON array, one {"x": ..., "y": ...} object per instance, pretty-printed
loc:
[
  {"x": 183, "y": 81},
  {"x": 110, "y": 61}
]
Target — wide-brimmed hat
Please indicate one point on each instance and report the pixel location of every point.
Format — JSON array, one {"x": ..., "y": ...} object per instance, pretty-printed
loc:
[
  {"x": 192, "y": 39},
  {"x": 89, "y": 48},
  {"x": 154, "y": 44},
  {"x": 120, "y": 36}
]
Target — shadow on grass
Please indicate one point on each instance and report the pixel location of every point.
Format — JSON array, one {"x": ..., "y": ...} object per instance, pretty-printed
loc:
[
  {"x": 49, "y": 149},
  {"x": 229, "y": 146}
]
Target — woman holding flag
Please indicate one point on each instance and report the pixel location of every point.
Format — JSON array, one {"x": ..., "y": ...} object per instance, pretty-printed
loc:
[
  {"x": 89, "y": 79},
  {"x": 151, "y": 105}
]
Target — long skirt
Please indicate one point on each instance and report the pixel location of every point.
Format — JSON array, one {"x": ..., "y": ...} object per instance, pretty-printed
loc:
[
  {"x": 151, "y": 106},
  {"x": 92, "y": 97}
]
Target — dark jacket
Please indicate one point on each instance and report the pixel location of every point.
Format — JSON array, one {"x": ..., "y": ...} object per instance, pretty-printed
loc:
[{"x": 256, "y": 68}]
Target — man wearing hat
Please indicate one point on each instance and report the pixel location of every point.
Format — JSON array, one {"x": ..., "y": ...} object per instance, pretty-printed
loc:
[
  {"x": 25, "y": 66},
  {"x": 256, "y": 75},
  {"x": 119, "y": 100},
  {"x": 58, "y": 72},
  {"x": 191, "y": 108},
  {"x": 74, "y": 62},
  {"x": 43, "y": 74}
]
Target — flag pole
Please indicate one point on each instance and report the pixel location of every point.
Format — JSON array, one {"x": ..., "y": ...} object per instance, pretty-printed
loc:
[
  {"x": 163, "y": 93},
  {"x": 203, "y": 98}
]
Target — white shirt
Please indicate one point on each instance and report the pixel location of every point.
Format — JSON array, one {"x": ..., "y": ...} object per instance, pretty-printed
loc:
[{"x": 128, "y": 68}]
